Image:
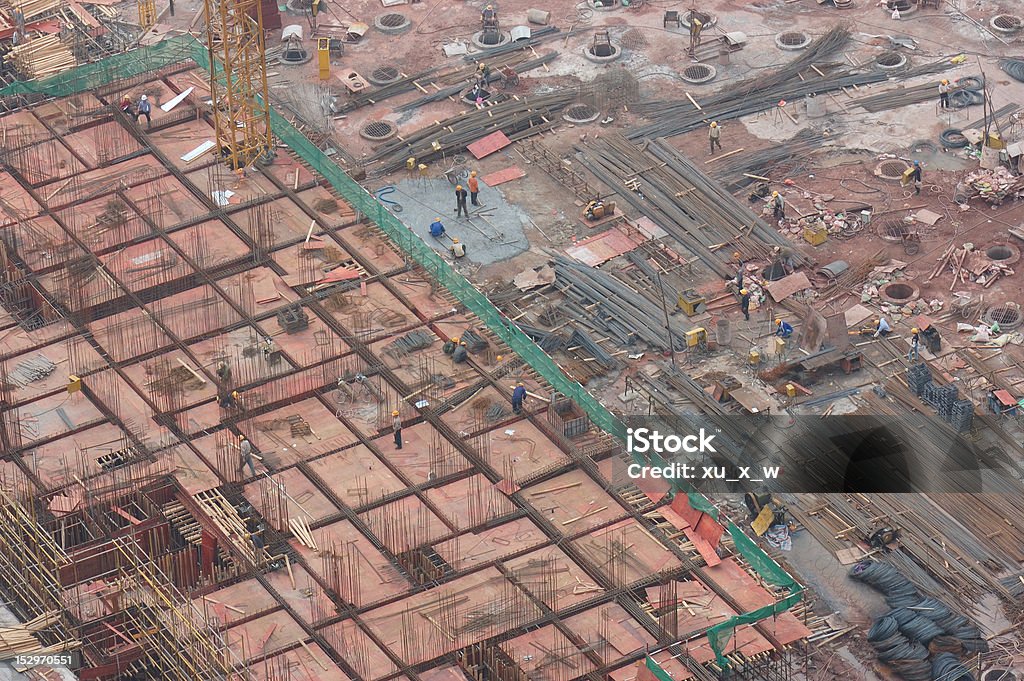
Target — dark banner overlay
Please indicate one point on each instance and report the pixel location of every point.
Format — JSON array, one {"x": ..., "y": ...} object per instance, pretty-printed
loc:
[{"x": 835, "y": 454}]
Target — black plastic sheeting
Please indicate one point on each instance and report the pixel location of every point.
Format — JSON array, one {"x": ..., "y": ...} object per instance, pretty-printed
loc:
[{"x": 918, "y": 636}]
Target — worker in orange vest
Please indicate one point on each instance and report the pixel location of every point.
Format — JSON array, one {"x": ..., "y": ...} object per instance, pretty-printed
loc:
[{"x": 474, "y": 189}]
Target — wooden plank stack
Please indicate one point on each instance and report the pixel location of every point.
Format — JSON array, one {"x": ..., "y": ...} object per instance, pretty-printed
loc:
[
  {"x": 42, "y": 56},
  {"x": 31, "y": 9}
]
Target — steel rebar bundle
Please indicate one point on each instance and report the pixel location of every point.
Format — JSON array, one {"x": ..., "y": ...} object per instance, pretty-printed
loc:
[
  {"x": 731, "y": 170},
  {"x": 518, "y": 118},
  {"x": 695, "y": 210}
]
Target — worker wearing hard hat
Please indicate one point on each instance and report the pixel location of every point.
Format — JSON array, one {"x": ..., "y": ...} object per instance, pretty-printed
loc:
[
  {"x": 461, "y": 353},
  {"x": 944, "y": 88},
  {"x": 745, "y": 303},
  {"x": 245, "y": 447},
  {"x": 460, "y": 201},
  {"x": 457, "y": 249},
  {"x": 783, "y": 329},
  {"x": 450, "y": 345},
  {"x": 396, "y": 423},
  {"x": 715, "y": 137},
  {"x": 915, "y": 341},
  {"x": 143, "y": 109},
  {"x": 778, "y": 206},
  {"x": 518, "y": 396},
  {"x": 437, "y": 228},
  {"x": 474, "y": 189}
]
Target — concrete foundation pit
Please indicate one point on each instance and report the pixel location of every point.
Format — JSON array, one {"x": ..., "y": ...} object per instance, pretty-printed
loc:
[
  {"x": 705, "y": 18},
  {"x": 392, "y": 22},
  {"x": 579, "y": 114},
  {"x": 892, "y": 169},
  {"x": 384, "y": 75},
  {"x": 469, "y": 96},
  {"x": 294, "y": 55},
  {"x": 378, "y": 131},
  {"x": 899, "y": 293},
  {"x": 792, "y": 40},
  {"x": 698, "y": 73},
  {"x": 487, "y": 39},
  {"x": 602, "y": 54},
  {"x": 891, "y": 60},
  {"x": 1004, "y": 254},
  {"x": 1008, "y": 316},
  {"x": 774, "y": 272},
  {"x": 1006, "y": 23}
]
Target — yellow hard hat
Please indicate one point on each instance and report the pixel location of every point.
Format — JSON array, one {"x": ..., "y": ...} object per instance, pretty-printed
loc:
[
  {"x": 462, "y": 343},
  {"x": 913, "y": 330},
  {"x": 394, "y": 413},
  {"x": 241, "y": 436},
  {"x": 520, "y": 383},
  {"x": 473, "y": 174},
  {"x": 736, "y": 254},
  {"x": 775, "y": 193},
  {"x": 945, "y": 82},
  {"x": 778, "y": 321},
  {"x": 234, "y": 393},
  {"x": 458, "y": 186},
  {"x": 455, "y": 240},
  {"x": 454, "y": 339},
  {"x": 743, "y": 291},
  {"x": 714, "y": 124},
  {"x": 437, "y": 219},
  {"x": 498, "y": 358}
]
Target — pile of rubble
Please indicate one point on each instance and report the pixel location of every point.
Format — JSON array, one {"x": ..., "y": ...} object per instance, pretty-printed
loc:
[
  {"x": 969, "y": 265},
  {"x": 994, "y": 186}
]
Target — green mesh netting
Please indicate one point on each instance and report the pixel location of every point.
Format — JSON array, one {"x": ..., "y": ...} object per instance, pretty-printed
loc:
[{"x": 180, "y": 48}]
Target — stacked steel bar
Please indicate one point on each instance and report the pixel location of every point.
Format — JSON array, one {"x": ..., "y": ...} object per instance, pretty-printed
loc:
[
  {"x": 735, "y": 170},
  {"x": 622, "y": 312},
  {"x": 695, "y": 210},
  {"x": 518, "y": 118}
]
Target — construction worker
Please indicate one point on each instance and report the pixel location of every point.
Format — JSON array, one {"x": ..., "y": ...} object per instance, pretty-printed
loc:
[
  {"x": 915, "y": 341},
  {"x": 126, "y": 105},
  {"x": 882, "y": 328},
  {"x": 230, "y": 400},
  {"x": 778, "y": 206},
  {"x": 483, "y": 72},
  {"x": 397, "y": 425},
  {"x": 450, "y": 345},
  {"x": 143, "y": 109},
  {"x": 460, "y": 201},
  {"x": 518, "y": 397},
  {"x": 474, "y": 189},
  {"x": 437, "y": 228},
  {"x": 245, "y": 447},
  {"x": 457, "y": 249},
  {"x": 745, "y": 303},
  {"x": 461, "y": 353},
  {"x": 944, "y": 89},
  {"x": 915, "y": 176},
  {"x": 696, "y": 26},
  {"x": 224, "y": 372},
  {"x": 488, "y": 17},
  {"x": 715, "y": 137},
  {"x": 783, "y": 329}
]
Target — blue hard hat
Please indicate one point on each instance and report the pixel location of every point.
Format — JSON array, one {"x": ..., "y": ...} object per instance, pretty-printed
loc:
[{"x": 917, "y": 163}]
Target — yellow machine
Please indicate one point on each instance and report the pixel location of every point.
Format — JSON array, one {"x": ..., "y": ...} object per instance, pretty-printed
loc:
[
  {"x": 815, "y": 234},
  {"x": 691, "y": 302},
  {"x": 754, "y": 357},
  {"x": 323, "y": 55},
  {"x": 696, "y": 337}
]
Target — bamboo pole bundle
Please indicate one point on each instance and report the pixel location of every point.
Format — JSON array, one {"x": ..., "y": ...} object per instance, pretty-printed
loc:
[{"x": 42, "y": 56}]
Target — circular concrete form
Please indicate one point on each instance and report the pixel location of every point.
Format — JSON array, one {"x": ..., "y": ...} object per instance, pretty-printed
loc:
[
  {"x": 392, "y": 22},
  {"x": 923, "y": 147},
  {"x": 580, "y": 114},
  {"x": 707, "y": 19},
  {"x": 899, "y": 292},
  {"x": 892, "y": 169},
  {"x": 378, "y": 131},
  {"x": 998, "y": 675},
  {"x": 891, "y": 60},
  {"x": 893, "y": 230},
  {"x": 295, "y": 56},
  {"x": 792, "y": 40},
  {"x": 904, "y": 6},
  {"x": 499, "y": 39},
  {"x": 384, "y": 75},
  {"x": 1006, "y": 23},
  {"x": 1007, "y": 316},
  {"x": 1004, "y": 254},
  {"x": 469, "y": 96},
  {"x": 698, "y": 73},
  {"x": 602, "y": 7},
  {"x": 616, "y": 53}
]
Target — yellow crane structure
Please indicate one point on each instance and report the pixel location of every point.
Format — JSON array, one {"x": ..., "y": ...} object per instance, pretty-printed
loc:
[
  {"x": 238, "y": 81},
  {"x": 147, "y": 14}
]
